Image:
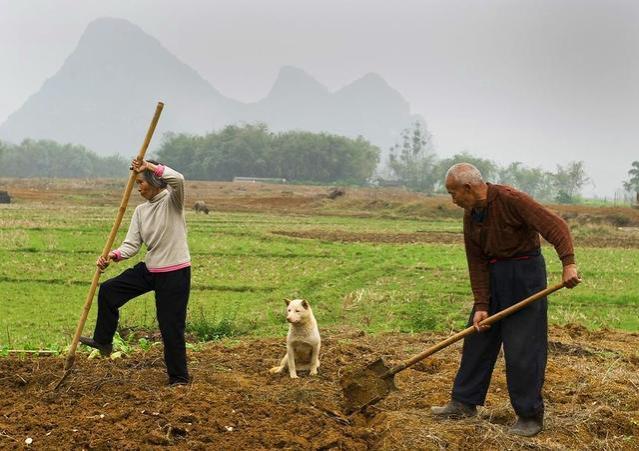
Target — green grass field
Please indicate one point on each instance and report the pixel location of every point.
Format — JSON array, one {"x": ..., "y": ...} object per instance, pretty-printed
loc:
[{"x": 242, "y": 272}]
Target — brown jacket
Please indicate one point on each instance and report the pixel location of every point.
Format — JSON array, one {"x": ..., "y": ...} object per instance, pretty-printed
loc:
[{"x": 511, "y": 227}]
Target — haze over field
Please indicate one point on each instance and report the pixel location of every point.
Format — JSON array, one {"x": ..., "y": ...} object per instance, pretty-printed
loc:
[
  {"x": 542, "y": 82},
  {"x": 102, "y": 93}
]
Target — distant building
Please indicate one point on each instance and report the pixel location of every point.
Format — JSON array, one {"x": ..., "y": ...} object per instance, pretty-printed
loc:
[
  {"x": 382, "y": 182},
  {"x": 259, "y": 179}
]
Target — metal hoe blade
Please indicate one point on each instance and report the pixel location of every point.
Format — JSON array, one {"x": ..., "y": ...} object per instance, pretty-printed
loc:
[
  {"x": 68, "y": 368},
  {"x": 365, "y": 386}
]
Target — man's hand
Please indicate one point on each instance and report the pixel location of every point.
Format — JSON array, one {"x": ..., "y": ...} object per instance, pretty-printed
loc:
[
  {"x": 477, "y": 318},
  {"x": 570, "y": 276},
  {"x": 103, "y": 263}
]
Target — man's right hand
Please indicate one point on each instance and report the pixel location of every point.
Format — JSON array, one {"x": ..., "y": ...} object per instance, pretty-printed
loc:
[{"x": 479, "y": 317}]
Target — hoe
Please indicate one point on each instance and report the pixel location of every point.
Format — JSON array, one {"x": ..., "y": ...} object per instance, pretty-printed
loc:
[{"x": 366, "y": 386}]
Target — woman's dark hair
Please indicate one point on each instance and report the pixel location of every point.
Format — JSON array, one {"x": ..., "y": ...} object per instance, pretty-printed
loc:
[{"x": 153, "y": 179}]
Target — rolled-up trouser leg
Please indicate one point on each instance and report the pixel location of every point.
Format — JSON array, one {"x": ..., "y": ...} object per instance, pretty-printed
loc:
[
  {"x": 171, "y": 298},
  {"x": 525, "y": 333},
  {"x": 113, "y": 294}
]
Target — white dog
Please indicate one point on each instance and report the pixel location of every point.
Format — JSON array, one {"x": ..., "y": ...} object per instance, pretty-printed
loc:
[{"x": 303, "y": 340}]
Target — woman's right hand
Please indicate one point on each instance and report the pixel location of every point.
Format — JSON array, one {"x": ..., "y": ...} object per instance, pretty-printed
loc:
[{"x": 103, "y": 263}]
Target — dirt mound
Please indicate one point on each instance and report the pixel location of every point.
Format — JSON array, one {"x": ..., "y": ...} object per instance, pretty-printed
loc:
[{"x": 234, "y": 403}]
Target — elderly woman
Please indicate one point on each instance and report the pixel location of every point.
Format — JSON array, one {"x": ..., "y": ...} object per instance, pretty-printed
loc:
[{"x": 159, "y": 224}]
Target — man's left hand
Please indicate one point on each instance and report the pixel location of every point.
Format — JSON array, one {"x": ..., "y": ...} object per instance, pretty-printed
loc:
[{"x": 570, "y": 276}]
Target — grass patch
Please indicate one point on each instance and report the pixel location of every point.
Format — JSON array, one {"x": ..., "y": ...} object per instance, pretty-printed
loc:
[
  {"x": 207, "y": 327},
  {"x": 242, "y": 271}
]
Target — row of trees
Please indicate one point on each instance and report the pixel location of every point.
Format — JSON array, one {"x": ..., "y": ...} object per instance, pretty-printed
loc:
[
  {"x": 414, "y": 163},
  {"x": 632, "y": 184},
  {"x": 253, "y": 151},
  {"x": 45, "y": 158},
  {"x": 248, "y": 150}
]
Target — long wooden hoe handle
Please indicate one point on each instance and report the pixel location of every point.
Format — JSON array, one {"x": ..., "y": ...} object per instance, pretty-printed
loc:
[
  {"x": 107, "y": 247},
  {"x": 470, "y": 330}
]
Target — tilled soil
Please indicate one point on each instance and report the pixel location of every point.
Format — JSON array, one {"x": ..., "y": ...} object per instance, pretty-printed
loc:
[
  {"x": 233, "y": 403},
  {"x": 626, "y": 241}
]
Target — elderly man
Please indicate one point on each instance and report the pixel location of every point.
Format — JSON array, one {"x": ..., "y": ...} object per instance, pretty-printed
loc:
[{"x": 501, "y": 236}]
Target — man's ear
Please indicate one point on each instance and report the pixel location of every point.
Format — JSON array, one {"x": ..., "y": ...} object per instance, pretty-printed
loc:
[
  {"x": 304, "y": 304},
  {"x": 287, "y": 301}
]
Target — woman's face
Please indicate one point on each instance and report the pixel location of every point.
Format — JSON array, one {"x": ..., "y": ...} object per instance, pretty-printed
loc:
[{"x": 145, "y": 189}]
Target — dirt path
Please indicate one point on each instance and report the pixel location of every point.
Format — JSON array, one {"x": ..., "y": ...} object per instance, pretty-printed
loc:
[{"x": 234, "y": 404}]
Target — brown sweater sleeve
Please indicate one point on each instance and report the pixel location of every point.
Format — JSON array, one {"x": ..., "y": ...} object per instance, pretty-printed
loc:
[
  {"x": 552, "y": 227},
  {"x": 477, "y": 269}
]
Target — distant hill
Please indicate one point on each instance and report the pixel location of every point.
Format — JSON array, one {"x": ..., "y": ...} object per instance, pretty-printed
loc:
[{"x": 105, "y": 92}]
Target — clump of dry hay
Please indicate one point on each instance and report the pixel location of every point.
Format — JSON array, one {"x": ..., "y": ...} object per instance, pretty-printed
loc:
[{"x": 591, "y": 395}]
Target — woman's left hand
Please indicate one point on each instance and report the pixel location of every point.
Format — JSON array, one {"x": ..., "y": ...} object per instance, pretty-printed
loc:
[{"x": 139, "y": 166}]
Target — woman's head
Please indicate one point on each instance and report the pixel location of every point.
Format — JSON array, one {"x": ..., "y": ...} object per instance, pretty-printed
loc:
[
  {"x": 149, "y": 184},
  {"x": 153, "y": 179}
]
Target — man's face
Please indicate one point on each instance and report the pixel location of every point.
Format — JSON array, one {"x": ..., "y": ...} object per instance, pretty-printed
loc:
[{"x": 462, "y": 195}]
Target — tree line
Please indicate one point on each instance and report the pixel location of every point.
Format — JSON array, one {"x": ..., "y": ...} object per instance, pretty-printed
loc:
[
  {"x": 252, "y": 150},
  {"x": 414, "y": 163},
  {"x": 632, "y": 184},
  {"x": 46, "y": 158}
]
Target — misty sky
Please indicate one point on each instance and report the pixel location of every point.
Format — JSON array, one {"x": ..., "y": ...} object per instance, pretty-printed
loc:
[{"x": 544, "y": 82}]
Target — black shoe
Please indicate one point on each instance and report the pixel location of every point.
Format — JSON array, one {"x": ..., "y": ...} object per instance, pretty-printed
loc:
[
  {"x": 527, "y": 427},
  {"x": 455, "y": 409},
  {"x": 179, "y": 381},
  {"x": 105, "y": 350}
]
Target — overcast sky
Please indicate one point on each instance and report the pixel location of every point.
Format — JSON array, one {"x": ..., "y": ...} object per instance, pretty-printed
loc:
[{"x": 544, "y": 82}]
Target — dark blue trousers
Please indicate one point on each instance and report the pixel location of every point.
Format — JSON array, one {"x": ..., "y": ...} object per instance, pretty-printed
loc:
[
  {"x": 171, "y": 298},
  {"x": 524, "y": 336}
]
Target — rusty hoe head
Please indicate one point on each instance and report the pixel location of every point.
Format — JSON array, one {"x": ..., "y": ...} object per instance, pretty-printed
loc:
[{"x": 366, "y": 386}]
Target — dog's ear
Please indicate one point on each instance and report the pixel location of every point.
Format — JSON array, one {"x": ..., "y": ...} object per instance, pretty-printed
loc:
[
  {"x": 287, "y": 301},
  {"x": 304, "y": 304}
]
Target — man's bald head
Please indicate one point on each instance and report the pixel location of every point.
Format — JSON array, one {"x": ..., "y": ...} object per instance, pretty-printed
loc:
[
  {"x": 464, "y": 174},
  {"x": 466, "y": 186}
]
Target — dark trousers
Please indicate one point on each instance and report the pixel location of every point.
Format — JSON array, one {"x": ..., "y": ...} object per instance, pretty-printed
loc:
[
  {"x": 524, "y": 335},
  {"x": 171, "y": 298}
]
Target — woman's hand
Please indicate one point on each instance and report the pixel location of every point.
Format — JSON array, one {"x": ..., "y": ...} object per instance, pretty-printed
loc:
[
  {"x": 138, "y": 166},
  {"x": 103, "y": 263}
]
